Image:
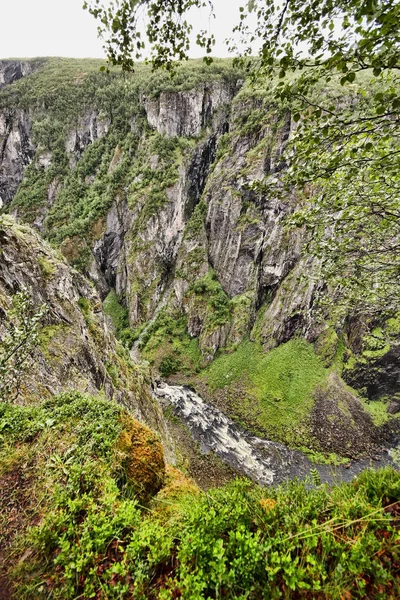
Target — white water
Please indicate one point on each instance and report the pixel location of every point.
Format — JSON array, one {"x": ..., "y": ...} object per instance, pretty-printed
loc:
[{"x": 264, "y": 461}]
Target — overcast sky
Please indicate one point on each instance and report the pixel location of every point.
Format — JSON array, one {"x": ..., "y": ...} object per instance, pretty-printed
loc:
[{"x": 62, "y": 28}]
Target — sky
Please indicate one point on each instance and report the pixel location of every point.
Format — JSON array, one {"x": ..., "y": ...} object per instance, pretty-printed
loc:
[{"x": 62, "y": 28}]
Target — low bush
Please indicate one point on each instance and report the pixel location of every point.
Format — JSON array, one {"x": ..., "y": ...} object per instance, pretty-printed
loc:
[{"x": 93, "y": 538}]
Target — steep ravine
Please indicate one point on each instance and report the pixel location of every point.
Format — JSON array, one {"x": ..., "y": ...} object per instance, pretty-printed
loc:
[{"x": 145, "y": 186}]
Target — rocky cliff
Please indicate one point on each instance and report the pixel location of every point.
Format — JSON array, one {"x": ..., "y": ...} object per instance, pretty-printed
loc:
[
  {"x": 76, "y": 349},
  {"x": 146, "y": 188}
]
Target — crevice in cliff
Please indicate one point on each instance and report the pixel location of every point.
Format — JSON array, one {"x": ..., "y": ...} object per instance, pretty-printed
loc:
[{"x": 198, "y": 172}]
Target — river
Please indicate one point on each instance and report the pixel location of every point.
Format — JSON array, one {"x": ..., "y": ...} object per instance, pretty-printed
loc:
[{"x": 263, "y": 461}]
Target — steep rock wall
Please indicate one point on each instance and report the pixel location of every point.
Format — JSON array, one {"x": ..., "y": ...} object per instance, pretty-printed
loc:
[
  {"x": 76, "y": 349},
  {"x": 12, "y": 70},
  {"x": 154, "y": 198},
  {"x": 16, "y": 151}
]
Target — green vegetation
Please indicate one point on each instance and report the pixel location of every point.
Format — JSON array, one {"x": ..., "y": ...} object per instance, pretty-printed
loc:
[
  {"x": 156, "y": 169},
  {"x": 90, "y": 189},
  {"x": 375, "y": 344},
  {"x": 329, "y": 458},
  {"x": 167, "y": 345},
  {"x": 87, "y": 310},
  {"x": 116, "y": 165},
  {"x": 18, "y": 342},
  {"x": 119, "y": 318},
  {"x": 47, "y": 335},
  {"x": 208, "y": 291},
  {"x": 378, "y": 411},
  {"x": 87, "y": 530},
  {"x": 277, "y": 386},
  {"x": 191, "y": 75},
  {"x": 347, "y": 147}
]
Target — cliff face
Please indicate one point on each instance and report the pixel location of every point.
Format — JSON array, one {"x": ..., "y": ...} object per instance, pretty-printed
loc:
[
  {"x": 146, "y": 188},
  {"x": 188, "y": 146},
  {"x": 76, "y": 349},
  {"x": 16, "y": 151},
  {"x": 16, "y": 148},
  {"x": 12, "y": 70}
]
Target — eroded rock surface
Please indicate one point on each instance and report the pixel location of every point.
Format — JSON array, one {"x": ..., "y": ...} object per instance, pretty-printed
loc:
[
  {"x": 16, "y": 151},
  {"x": 76, "y": 349}
]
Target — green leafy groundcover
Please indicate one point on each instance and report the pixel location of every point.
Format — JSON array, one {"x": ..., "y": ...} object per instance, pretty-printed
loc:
[{"x": 95, "y": 540}]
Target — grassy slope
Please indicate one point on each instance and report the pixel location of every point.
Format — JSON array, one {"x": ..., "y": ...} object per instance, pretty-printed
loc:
[{"x": 282, "y": 381}]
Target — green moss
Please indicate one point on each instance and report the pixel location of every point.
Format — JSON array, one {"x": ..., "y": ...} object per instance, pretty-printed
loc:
[
  {"x": 241, "y": 312},
  {"x": 378, "y": 411},
  {"x": 84, "y": 305},
  {"x": 326, "y": 346},
  {"x": 375, "y": 344},
  {"x": 377, "y": 353},
  {"x": 94, "y": 328},
  {"x": 392, "y": 326},
  {"x": 281, "y": 381},
  {"x": 47, "y": 336},
  {"x": 324, "y": 459},
  {"x": 119, "y": 318},
  {"x": 47, "y": 267}
]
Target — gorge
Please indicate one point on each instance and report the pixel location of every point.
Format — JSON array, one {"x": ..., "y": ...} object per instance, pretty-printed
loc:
[{"x": 180, "y": 309}]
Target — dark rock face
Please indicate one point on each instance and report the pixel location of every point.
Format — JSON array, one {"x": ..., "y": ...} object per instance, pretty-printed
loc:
[
  {"x": 12, "y": 70},
  {"x": 16, "y": 151},
  {"x": 340, "y": 422},
  {"x": 198, "y": 172},
  {"x": 393, "y": 407},
  {"x": 109, "y": 251},
  {"x": 379, "y": 377}
]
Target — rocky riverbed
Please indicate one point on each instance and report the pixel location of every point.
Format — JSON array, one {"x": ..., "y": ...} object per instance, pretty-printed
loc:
[{"x": 263, "y": 461}]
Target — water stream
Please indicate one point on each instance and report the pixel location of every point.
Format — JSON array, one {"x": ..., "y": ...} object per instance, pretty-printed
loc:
[{"x": 262, "y": 460}]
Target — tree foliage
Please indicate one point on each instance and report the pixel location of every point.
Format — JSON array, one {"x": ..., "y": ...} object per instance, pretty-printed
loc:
[
  {"x": 164, "y": 24},
  {"x": 17, "y": 343},
  {"x": 344, "y": 155}
]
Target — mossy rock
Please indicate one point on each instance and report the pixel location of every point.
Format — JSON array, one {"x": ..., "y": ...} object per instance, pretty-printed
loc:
[
  {"x": 178, "y": 488},
  {"x": 143, "y": 457}
]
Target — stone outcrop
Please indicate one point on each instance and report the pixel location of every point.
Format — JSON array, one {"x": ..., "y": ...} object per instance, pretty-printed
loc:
[
  {"x": 76, "y": 350},
  {"x": 185, "y": 113},
  {"x": 88, "y": 129},
  {"x": 16, "y": 151},
  {"x": 12, "y": 70}
]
